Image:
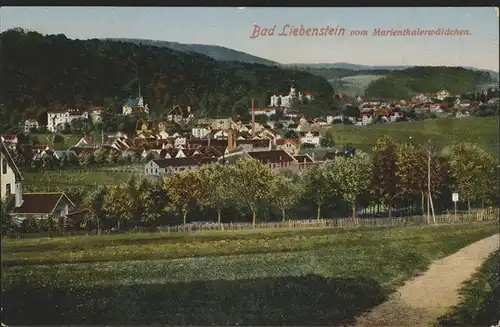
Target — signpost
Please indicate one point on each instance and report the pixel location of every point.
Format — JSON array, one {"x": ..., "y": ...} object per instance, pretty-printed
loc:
[{"x": 454, "y": 197}]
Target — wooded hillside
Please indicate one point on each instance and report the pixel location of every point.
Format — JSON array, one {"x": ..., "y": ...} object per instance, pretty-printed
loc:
[
  {"x": 53, "y": 72},
  {"x": 405, "y": 83}
]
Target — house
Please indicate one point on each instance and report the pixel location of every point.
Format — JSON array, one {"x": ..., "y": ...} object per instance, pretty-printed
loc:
[
  {"x": 11, "y": 178},
  {"x": 304, "y": 161},
  {"x": 443, "y": 94},
  {"x": 264, "y": 111},
  {"x": 254, "y": 144},
  {"x": 276, "y": 159},
  {"x": 57, "y": 120},
  {"x": 178, "y": 115},
  {"x": 303, "y": 126},
  {"x": 135, "y": 105},
  {"x": 96, "y": 114},
  {"x": 30, "y": 124},
  {"x": 310, "y": 138},
  {"x": 291, "y": 146},
  {"x": 286, "y": 100},
  {"x": 10, "y": 140},
  {"x": 220, "y": 134},
  {"x": 216, "y": 123},
  {"x": 200, "y": 132},
  {"x": 159, "y": 167},
  {"x": 43, "y": 205},
  {"x": 144, "y": 128},
  {"x": 85, "y": 141},
  {"x": 69, "y": 155}
]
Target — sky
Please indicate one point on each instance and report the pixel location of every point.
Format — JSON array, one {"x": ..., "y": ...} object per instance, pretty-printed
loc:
[{"x": 233, "y": 28}]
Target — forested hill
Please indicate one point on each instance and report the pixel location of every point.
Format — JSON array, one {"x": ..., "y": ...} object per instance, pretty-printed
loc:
[
  {"x": 214, "y": 51},
  {"x": 50, "y": 72},
  {"x": 405, "y": 83}
]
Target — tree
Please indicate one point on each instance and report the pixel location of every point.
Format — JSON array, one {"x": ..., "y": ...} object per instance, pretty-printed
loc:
[
  {"x": 18, "y": 158},
  {"x": 7, "y": 225},
  {"x": 119, "y": 205},
  {"x": 214, "y": 182},
  {"x": 327, "y": 141},
  {"x": 351, "y": 111},
  {"x": 472, "y": 169},
  {"x": 63, "y": 161},
  {"x": 284, "y": 193},
  {"x": 316, "y": 187},
  {"x": 385, "y": 180},
  {"x": 249, "y": 183},
  {"x": 94, "y": 201},
  {"x": 184, "y": 192},
  {"x": 99, "y": 156},
  {"x": 112, "y": 157},
  {"x": 85, "y": 159},
  {"x": 411, "y": 170},
  {"x": 352, "y": 176},
  {"x": 59, "y": 140},
  {"x": 290, "y": 134},
  {"x": 153, "y": 200},
  {"x": 48, "y": 161}
]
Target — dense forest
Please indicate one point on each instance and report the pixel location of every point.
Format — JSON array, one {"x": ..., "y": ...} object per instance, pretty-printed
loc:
[
  {"x": 405, "y": 83},
  {"x": 216, "y": 52},
  {"x": 41, "y": 73}
]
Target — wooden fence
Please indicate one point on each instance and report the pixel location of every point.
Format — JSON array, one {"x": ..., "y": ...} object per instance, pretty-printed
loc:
[{"x": 486, "y": 215}]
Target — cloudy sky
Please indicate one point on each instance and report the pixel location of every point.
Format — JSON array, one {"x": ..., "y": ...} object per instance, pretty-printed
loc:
[{"x": 232, "y": 28}]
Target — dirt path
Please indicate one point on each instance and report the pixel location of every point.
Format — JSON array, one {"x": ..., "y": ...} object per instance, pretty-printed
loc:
[{"x": 421, "y": 301}]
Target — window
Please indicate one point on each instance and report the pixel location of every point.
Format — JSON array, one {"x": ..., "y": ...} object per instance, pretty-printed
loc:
[
  {"x": 4, "y": 166},
  {"x": 8, "y": 190}
]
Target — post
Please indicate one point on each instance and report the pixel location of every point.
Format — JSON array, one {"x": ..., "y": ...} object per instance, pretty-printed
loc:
[
  {"x": 253, "y": 119},
  {"x": 429, "y": 186},
  {"x": 455, "y": 204}
]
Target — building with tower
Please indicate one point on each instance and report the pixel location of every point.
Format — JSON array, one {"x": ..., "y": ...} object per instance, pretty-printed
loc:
[
  {"x": 285, "y": 100},
  {"x": 135, "y": 105}
]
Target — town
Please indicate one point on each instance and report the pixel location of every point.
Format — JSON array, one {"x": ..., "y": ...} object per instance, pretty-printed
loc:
[
  {"x": 276, "y": 136},
  {"x": 158, "y": 166}
]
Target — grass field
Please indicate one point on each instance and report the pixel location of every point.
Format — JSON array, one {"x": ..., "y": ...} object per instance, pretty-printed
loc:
[
  {"x": 313, "y": 277},
  {"x": 64, "y": 179},
  {"x": 445, "y": 132},
  {"x": 69, "y": 140},
  {"x": 480, "y": 298},
  {"x": 354, "y": 85}
]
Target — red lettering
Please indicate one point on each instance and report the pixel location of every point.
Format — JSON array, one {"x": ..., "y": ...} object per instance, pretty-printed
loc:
[{"x": 256, "y": 31}]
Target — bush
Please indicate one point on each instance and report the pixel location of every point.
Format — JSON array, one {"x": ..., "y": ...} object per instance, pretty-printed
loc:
[{"x": 30, "y": 225}]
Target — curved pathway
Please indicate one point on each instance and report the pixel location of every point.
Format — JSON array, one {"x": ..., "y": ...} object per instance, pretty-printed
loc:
[{"x": 421, "y": 301}]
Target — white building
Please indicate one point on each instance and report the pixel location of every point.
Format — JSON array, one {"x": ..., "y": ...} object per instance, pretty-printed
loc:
[
  {"x": 10, "y": 176},
  {"x": 200, "y": 132},
  {"x": 443, "y": 94},
  {"x": 310, "y": 138},
  {"x": 30, "y": 124},
  {"x": 267, "y": 112},
  {"x": 57, "y": 120},
  {"x": 96, "y": 114},
  {"x": 286, "y": 100}
]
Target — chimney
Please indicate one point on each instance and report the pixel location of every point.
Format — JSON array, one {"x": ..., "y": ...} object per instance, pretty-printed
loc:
[{"x": 253, "y": 119}]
